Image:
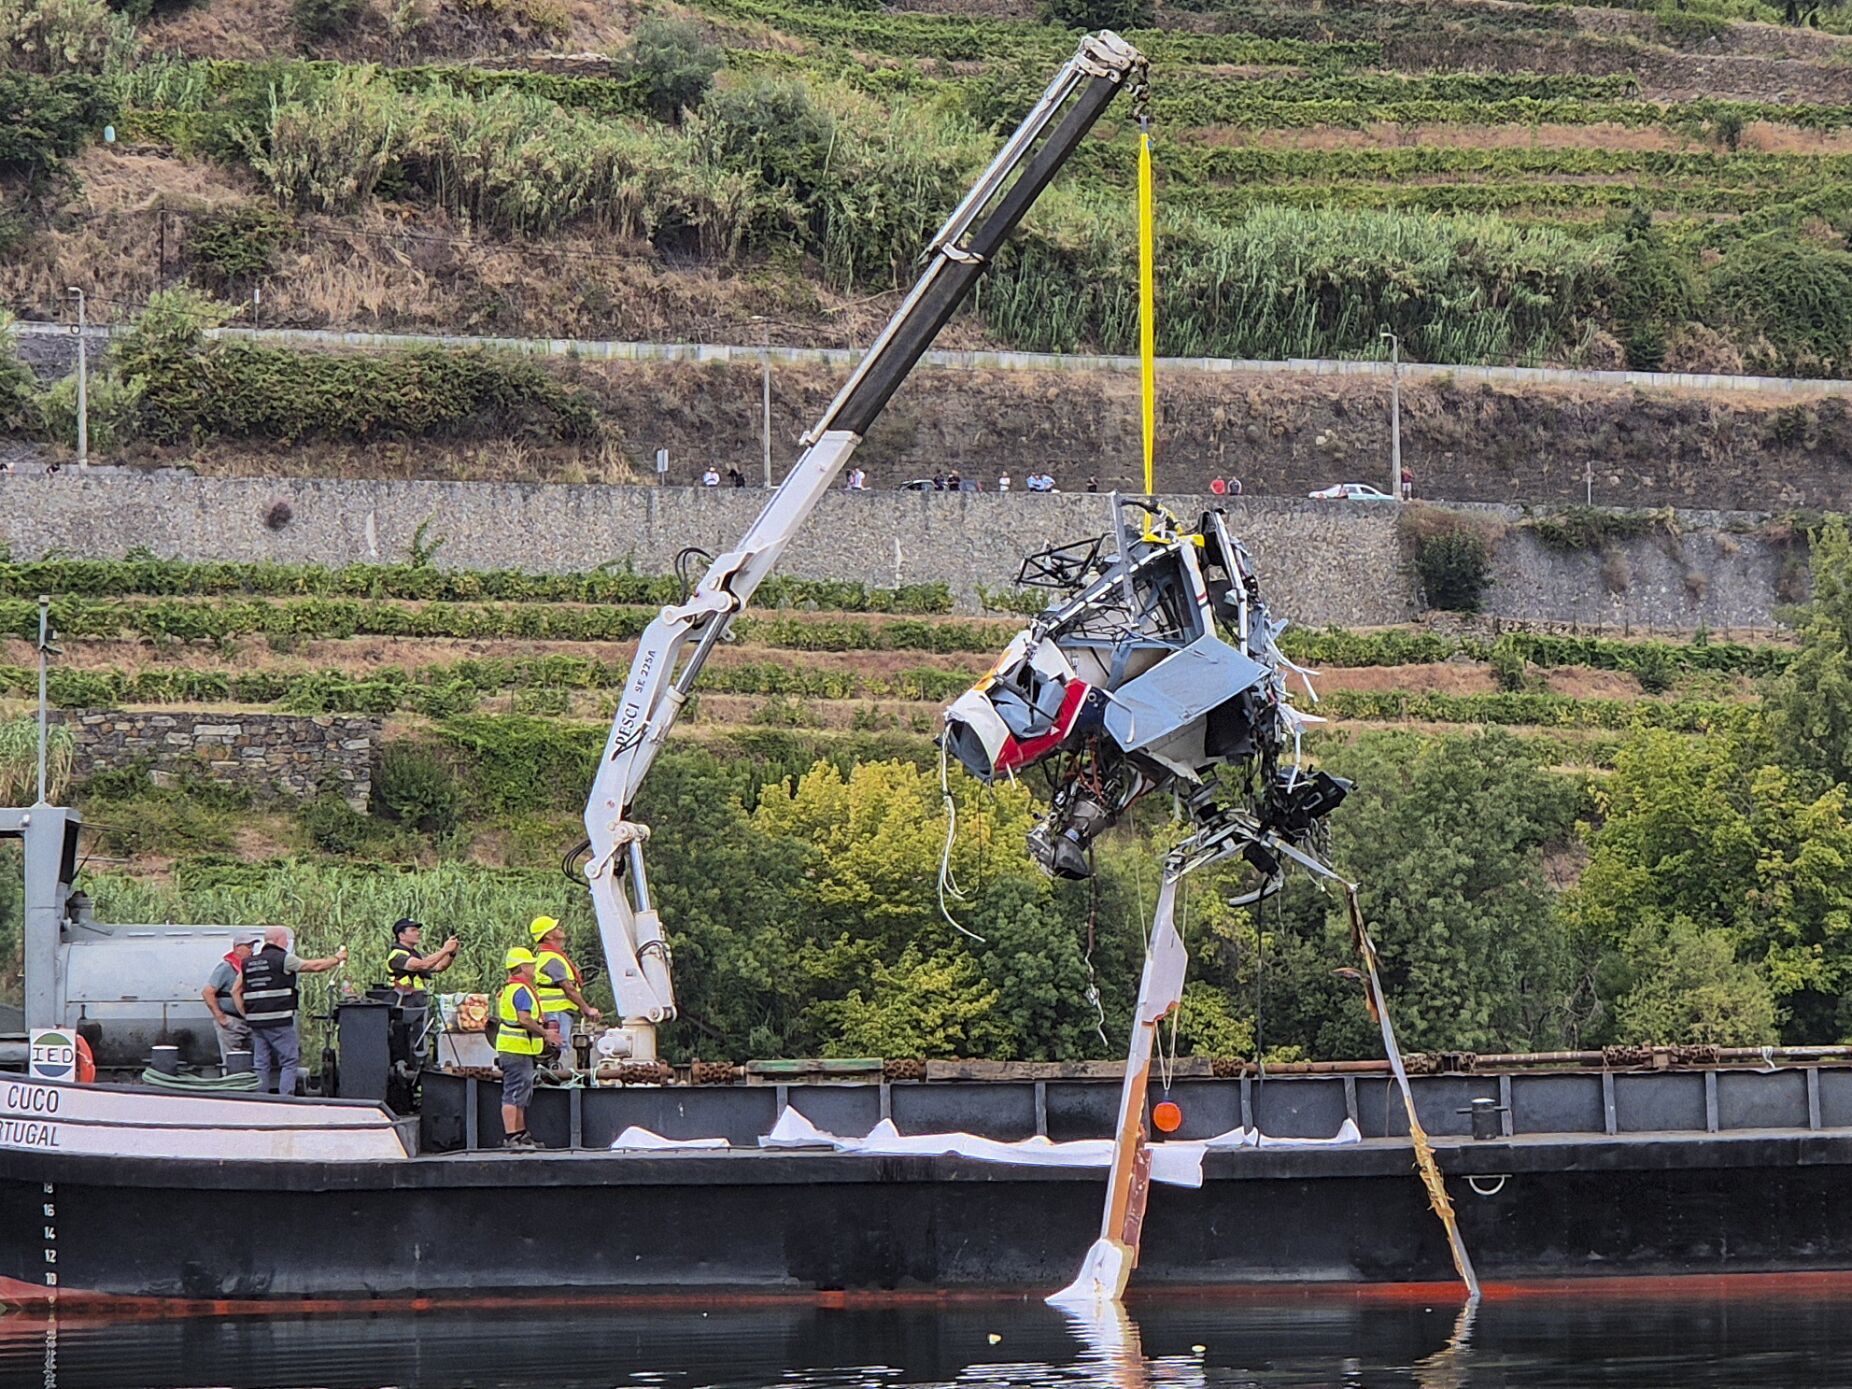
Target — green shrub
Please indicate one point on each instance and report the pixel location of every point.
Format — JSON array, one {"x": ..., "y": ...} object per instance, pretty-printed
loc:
[
  {"x": 671, "y": 65},
  {"x": 417, "y": 787},
  {"x": 335, "y": 827},
  {"x": 1121, "y": 15},
  {"x": 142, "y": 574},
  {"x": 229, "y": 247},
  {"x": 45, "y": 120},
  {"x": 1508, "y": 666},
  {"x": 19, "y": 411},
  {"x": 1645, "y": 346},
  {"x": 1590, "y": 528},
  {"x": 316, "y": 20},
  {"x": 1791, "y": 298},
  {"x": 1455, "y": 567},
  {"x": 1655, "y": 668},
  {"x": 59, "y": 36},
  {"x": 187, "y": 388},
  {"x": 111, "y": 407}
]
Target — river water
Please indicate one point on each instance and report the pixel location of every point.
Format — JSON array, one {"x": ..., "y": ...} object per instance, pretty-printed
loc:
[{"x": 1588, "y": 1338}]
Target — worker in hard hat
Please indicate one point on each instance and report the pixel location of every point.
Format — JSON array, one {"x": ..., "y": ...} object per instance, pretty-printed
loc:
[
  {"x": 520, "y": 1036},
  {"x": 562, "y": 1000}
]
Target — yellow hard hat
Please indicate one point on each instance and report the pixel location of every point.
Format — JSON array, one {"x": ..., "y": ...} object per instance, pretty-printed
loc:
[
  {"x": 517, "y": 957},
  {"x": 540, "y": 925}
]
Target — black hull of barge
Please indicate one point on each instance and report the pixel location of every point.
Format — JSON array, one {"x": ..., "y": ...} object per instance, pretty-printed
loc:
[{"x": 698, "y": 1225}]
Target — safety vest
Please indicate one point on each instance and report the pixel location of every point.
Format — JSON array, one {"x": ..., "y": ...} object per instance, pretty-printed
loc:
[
  {"x": 510, "y": 1036},
  {"x": 409, "y": 980},
  {"x": 269, "y": 989},
  {"x": 552, "y": 997}
]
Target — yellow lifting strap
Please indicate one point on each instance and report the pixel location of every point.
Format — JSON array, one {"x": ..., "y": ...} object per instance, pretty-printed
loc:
[{"x": 1147, "y": 310}]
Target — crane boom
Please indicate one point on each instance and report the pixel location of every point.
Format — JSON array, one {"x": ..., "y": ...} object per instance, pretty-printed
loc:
[{"x": 677, "y": 643}]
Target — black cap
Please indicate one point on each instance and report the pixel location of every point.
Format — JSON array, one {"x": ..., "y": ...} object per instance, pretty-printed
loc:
[{"x": 402, "y": 925}]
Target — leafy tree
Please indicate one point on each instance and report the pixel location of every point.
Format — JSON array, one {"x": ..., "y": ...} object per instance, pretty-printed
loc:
[
  {"x": 1810, "y": 704},
  {"x": 672, "y": 65},
  {"x": 730, "y": 895},
  {"x": 1446, "y": 837},
  {"x": 1702, "y": 837},
  {"x": 1653, "y": 291},
  {"x": 870, "y": 901},
  {"x": 928, "y": 1006},
  {"x": 1689, "y": 986}
]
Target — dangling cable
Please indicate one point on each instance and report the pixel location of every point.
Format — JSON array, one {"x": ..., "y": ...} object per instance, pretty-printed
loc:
[
  {"x": 1260, "y": 976},
  {"x": 947, "y": 883},
  {"x": 1093, "y": 918}
]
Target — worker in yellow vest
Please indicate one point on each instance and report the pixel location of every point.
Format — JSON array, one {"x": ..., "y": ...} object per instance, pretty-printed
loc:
[
  {"x": 559, "y": 981},
  {"x": 520, "y": 1036}
]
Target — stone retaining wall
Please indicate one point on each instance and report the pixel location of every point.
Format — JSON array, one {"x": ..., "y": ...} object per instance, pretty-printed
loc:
[
  {"x": 294, "y": 756},
  {"x": 1321, "y": 562}
]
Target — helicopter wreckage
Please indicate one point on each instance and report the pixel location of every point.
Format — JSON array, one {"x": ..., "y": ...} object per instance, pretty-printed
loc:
[{"x": 1158, "y": 669}]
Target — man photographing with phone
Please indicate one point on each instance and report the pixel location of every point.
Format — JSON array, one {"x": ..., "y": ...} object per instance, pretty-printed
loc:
[{"x": 406, "y": 967}]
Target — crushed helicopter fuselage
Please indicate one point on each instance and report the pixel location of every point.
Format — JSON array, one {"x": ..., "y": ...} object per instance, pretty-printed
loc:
[{"x": 1155, "y": 665}]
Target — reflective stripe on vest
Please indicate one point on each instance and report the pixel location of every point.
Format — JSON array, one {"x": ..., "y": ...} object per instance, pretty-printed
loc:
[
  {"x": 269, "y": 989},
  {"x": 510, "y": 1036},
  {"x": 409, "y": 980},
  {"x": 553, "y": 998}
]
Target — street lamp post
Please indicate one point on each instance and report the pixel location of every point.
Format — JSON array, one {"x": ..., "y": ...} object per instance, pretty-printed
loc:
[
  {"x": 1395, "y": 413},
  {"x": 765, "y": 393},
  {"x": 83, "y": 383}
]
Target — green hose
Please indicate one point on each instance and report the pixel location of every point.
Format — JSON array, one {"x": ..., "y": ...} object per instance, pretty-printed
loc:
[{"x": 239, "y": 1080}]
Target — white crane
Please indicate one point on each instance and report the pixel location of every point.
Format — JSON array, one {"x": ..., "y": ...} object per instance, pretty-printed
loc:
[{"x": 677, "y": 644}]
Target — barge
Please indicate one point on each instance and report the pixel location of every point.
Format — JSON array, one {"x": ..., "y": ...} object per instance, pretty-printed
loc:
[{"x": 1703, "y": 1171}]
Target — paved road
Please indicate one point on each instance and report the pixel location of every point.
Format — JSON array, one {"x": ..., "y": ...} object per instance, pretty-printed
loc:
[{"x": 51, "y": 349}]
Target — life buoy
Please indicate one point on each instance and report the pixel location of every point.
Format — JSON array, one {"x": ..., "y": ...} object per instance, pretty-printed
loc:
[{"x": 86, "y": 1063}]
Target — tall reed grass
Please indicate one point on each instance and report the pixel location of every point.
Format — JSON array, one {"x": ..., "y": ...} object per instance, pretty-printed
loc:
[{"x": 19, "y": 760}]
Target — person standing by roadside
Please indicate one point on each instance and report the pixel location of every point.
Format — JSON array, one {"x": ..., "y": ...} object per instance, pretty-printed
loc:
[
  {"x": 1408, "y": 483},
  {"x": 520, "y": 1037},
  {"x": 266, "y": 995},
  {"x": 221, "y": 993}
]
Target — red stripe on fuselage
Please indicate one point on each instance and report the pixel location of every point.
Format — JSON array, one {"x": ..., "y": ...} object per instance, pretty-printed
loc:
[{"x": 1016, "y": 754}]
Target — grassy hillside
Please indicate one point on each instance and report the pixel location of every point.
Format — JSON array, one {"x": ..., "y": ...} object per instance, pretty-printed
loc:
[{"x": 1607, "y": 185}]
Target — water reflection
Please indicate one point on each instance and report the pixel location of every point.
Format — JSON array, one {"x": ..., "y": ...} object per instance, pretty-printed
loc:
[{"x": 1588, "y": 1339}]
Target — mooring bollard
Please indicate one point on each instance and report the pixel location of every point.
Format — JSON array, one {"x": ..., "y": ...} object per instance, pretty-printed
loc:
[{"x": 1486, "y": 1118}]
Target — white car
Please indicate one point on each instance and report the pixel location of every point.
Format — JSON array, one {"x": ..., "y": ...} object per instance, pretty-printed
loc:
[{"x": 1350, "y": 492}]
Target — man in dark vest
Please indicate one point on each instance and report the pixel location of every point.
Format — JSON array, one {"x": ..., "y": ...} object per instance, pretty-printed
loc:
[
  {"x": 266, "y": 995},
  {"x": 410, "y": 970}
]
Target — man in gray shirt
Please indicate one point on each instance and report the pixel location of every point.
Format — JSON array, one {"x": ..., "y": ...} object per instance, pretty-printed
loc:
[{"x": 221, "y": 987}]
